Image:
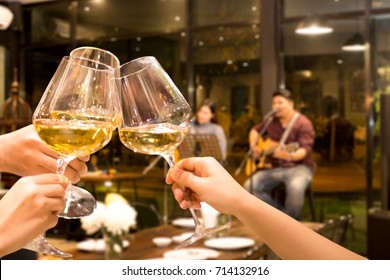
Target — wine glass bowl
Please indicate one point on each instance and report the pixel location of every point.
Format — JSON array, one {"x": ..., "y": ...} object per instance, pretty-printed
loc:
[
  {"x": 75, "y": 118},
  {"x": 156, "y": 118}
]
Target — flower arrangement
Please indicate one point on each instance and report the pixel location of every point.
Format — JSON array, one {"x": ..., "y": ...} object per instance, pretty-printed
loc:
[{"x": 113, "y": 219}]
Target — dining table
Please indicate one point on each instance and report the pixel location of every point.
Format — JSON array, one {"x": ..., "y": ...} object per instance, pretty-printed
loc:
[
  {"x": 141, "y": 246},
  {"x": 93, "y": 178}
]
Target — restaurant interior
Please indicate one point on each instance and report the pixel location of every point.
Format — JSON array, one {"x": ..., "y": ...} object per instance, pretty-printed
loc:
[{"x": 237, "y": 53}]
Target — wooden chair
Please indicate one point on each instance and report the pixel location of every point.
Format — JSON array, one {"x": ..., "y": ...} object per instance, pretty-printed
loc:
[
  {"x": 336, "y": 229},
  {"x": 310, "y": 197},
  {"x": 147, "y": 214},
  {"x": 258, "y": 252}
]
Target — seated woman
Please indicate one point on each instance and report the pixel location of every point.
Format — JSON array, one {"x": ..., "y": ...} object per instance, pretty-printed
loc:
[{"x": 206, "y": 123}]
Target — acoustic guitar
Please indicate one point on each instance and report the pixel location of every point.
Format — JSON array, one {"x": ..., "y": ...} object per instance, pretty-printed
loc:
[{"x": 264, "y": 145}]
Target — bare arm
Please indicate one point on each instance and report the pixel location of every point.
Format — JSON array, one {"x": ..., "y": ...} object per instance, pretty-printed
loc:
[
  {"x": 253, "y": 138},
  {"x": 298, "y": 155},
  {"x": 222, "y": 141},
  {"x": 285, "y": 236},
  {"x": 288, "y": 238}
]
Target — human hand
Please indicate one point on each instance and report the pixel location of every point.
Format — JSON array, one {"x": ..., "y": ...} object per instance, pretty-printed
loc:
[
  {"x": 209, "y": 182},
  {"x": 280, "y": 153},
  {"x": 256, "y": 151},
  {"x": 29, "y": 208},
  {"x": 23, "y": 153}
]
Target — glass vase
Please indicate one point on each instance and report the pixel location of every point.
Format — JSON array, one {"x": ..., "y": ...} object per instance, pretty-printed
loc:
[{"x": 113, "y": 247}]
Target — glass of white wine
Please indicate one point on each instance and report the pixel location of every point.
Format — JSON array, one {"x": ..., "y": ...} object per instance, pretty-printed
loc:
[
  {"x": 75, "y": 117},
  {"x": 156, "y": 118}
]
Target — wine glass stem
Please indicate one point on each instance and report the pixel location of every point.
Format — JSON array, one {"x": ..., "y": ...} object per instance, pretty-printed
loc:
[
  {"x": 62, "y": 163},
  {"x": 170, "y": 158}
]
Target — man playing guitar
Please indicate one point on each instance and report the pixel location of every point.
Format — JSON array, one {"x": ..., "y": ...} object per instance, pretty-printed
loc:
[{"x": 288, "y": 153}]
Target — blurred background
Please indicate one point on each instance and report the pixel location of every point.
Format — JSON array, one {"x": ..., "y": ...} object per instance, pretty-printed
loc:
[{"x": 236, "y": 52}]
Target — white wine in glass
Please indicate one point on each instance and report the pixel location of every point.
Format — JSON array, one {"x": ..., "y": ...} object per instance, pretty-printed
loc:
[
  {"x": 153, "y": 139},
  {"x": 74, "y": 138},
  {"x": 156, "y": 118}
]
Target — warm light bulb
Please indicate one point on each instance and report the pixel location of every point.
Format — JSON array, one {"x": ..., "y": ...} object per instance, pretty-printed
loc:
[{"x": 313, "y": 25}]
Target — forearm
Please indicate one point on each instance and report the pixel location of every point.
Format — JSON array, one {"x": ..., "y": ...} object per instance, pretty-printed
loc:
[
  {"x": 9, "y": 235},
  {"x": 253, "y": 138},
  {"x": 4, "y": 153},
  {"x": 288, "y": 238},
  {"x": 13, "y": 236},
  {"x": 298, "y": 155},
  {"x": 222, "y": 142},
  {"x": 3, "y": 244}
]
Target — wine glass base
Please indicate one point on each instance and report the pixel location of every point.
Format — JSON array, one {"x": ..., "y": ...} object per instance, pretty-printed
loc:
[
  {"x": 78, "y": 203},
  {"x": 201, "y": 233},
  {"x": 40, "y": 245}
]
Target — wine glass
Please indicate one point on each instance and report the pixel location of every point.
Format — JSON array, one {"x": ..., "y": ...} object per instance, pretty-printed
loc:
[
  {"x": 105, "y": 57},
  {"x": 156, "y": 118},
  {"x": 75, "y": 117}
]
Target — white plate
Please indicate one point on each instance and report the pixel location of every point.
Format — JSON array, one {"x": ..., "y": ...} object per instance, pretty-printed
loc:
[
  {"x": 191, "y": 254},
  {"x": 96, "y": 245},
  {"x": 229, "y": 243},
  {"x": 184, "y": 222}
]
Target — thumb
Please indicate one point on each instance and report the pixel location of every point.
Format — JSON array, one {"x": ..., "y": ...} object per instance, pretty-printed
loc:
[{"x": 185, "y": 178}]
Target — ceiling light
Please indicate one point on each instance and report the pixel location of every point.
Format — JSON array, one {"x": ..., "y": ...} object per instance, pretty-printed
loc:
[
  {"x": 313, "y": 25},
  {"x": 354, "y": 44}
]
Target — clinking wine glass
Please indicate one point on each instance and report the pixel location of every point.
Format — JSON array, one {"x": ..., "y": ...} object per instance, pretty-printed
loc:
[
  {"x": 75, "y": 117},
  {"x": 104, "y": 57},
  {"x": 156, "y": 118}
]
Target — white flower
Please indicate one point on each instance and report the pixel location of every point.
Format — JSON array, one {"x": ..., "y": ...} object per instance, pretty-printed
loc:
[
  {"x": 119, "y": 217},
  {"x": 117, "y": 248},
  {"x": 116, "y": 218},
  {"x": 94, "y": 222}
]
